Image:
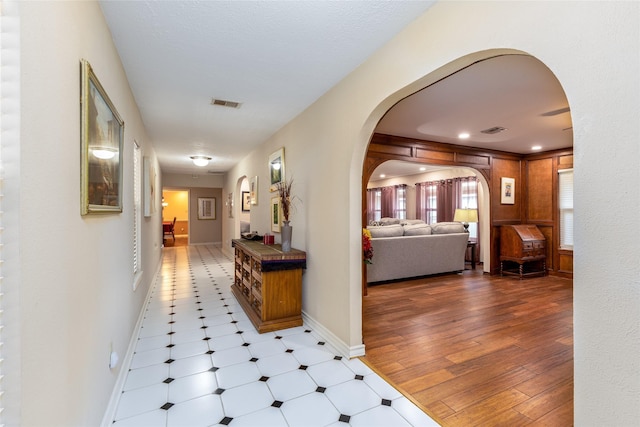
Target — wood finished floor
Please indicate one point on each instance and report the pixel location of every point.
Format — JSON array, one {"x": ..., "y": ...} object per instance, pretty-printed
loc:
[{"x": 474, "y": 349}]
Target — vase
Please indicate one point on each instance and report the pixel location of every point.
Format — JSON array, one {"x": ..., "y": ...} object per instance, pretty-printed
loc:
[{"x": 285, "y": 232}]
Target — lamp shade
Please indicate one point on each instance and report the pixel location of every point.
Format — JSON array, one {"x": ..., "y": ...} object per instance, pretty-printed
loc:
[
  {"x": 200, "y": 160},
  {"x": 466, "y": 215}
]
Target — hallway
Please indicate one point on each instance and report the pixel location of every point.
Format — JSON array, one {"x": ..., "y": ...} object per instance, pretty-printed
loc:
[{"x": 200, "y": 362}]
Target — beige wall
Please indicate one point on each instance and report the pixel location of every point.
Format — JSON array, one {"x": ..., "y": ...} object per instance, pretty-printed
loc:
[
  {"x": 74, "y": 301},
  {"x": 205, "y": 230},
  {"x": 585, "y": 44}
]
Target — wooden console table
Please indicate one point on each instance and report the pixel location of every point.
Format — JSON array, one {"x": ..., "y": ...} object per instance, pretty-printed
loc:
[
  {"x": 524, "y": 245},
  {"x": 268, "y": 284}
]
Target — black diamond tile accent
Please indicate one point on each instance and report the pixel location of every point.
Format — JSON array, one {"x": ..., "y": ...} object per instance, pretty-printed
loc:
[
  {"x": 169, "y": 361},
  {"x": 303, "y": 367},
  {"x": 320, "y": 342},
  {"x": 201, "y": 317},
  {"x": 229, "y": 312},
  {"x": 218, "y": 391},
  {"x": 247, "y": 344},
  {"x": 206, "y": 338},
  {"x": 264, "y": 379},
  {"x": 289, "y": 351},
  {"x": 344, "y": 418},
  {"x": 240, "y": 332},
  {"x": 168, "y": 380},
  {"x": 171, "y": 333},
  {"x": 213, "y": 369},
  {"x": 209, "y": 352},
  {"x": 277, "y": 404},
  {"x": 172, "y": 322},
  {"x": 171, "y": 314},
  {"x": 171, "y": 345},
  {"x": 337, "y": 358},
  {"x": 386, "y": 402},
  {"x": 226, "y": 421},
  {"x": 307, "y": 331},
  {"x": 253, "y": 359},
  {"x": 359, "y": 377},
  {"x": 204, "y": 327},
  {"x": 278, "y": 337},
  {"x": 200, "y": 309},
  {"x": 167, "y": 406},
  {"x": 234, "y": 321},
  {"x": 321, "y": 389}
]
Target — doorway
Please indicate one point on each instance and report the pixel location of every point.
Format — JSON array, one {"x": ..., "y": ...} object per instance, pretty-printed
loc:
[{"x": 175, "y": 205}]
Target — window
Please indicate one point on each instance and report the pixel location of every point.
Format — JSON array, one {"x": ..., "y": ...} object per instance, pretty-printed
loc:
[
  {"x": 401, "y": 202},
  {"x": 565, "y": 204},
  {"x": 469, "y": 200},
  {"x": 377, "y": 204}
]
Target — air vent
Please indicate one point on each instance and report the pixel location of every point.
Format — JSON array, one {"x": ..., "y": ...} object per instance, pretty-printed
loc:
[
  {"x": 223, "y": 103},
  {"x": 493, "y": 130},
  {"x": 555, "y": 112}
]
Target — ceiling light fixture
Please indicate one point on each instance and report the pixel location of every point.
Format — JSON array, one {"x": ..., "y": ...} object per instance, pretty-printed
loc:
[
  {"x": 463, "y": 135},
  {"x": 200, "y": 160},
  {"x": 493, "y": 130},
  {"x": 422, "y": 169},
  {"x": 536, "y": 147},
  {"x": 382, "y": 175}
]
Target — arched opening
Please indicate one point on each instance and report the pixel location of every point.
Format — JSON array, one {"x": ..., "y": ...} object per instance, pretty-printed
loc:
[
  {"x": 242, "y": 207},
  {"x": 430, "y": 139}
]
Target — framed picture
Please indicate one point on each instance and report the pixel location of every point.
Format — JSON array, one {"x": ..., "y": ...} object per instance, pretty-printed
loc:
[
  {"x": 276, "y": 214},
  {"x": 246, "y": 201},
  {"x": 206, "y": 208},
  {"x": 276, "y": 168},
  {"x": 229, "y": 205},
  {"x": 149, "y": 193},
  {"x": 507, "y": 191},
  {"x": 102, "y": 135},
  {"x": 253, "y": 190}
]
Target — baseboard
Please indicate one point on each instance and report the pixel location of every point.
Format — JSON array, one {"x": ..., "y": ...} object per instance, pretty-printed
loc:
[
  {"x": 110, "y": 412},
  {"x": 334, "y": 341}
]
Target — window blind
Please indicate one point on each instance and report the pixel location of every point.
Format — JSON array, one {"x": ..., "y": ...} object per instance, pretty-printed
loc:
[{"x": 565, "y": 205}]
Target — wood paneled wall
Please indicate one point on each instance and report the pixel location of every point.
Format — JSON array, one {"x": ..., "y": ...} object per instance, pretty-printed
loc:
[{"x": 536, "y": 186}]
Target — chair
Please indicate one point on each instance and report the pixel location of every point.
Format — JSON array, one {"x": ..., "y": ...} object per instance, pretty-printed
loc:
[{"x": 168, "y": 228}]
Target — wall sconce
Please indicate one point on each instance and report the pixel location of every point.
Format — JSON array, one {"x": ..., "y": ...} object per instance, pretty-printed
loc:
[
  {"x": 465, "y": 216},
  {"x": 200, "y": 160}
]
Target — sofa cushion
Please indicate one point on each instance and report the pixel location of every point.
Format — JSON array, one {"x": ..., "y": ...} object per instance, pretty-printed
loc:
[
  {"x": 393, "y": 230},
  {"x": 447, "y": 227},
  {"x": 389, "y": 221},
  {"x": 417, "y": 229}
]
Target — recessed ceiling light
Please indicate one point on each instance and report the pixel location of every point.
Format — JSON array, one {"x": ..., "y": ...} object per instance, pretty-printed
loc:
[
  {"x": 536, "y": 148},
  {"x": 422, "y": 169},
  {"x": 382, "y": 175},
  {"x": 463, "y": 135},
  {"x": 200, "y": 160}
]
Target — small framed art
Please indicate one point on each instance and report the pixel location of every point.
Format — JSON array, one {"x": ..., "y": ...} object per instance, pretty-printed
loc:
[
  {"x": 276, "y": 214},
  {"x": 206, "y": 208},
  {"x": 276, "y": 169},
  {"x": 246, "y": 201},
  {"x": 507, "y": 191}
]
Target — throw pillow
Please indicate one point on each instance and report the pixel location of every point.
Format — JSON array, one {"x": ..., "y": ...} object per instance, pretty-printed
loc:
[
  {"x": 389, "y": 221},
  {"x": 412, "y": 221}
]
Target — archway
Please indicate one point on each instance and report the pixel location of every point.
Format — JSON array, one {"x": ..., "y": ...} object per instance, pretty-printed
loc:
[{"x": 242, "y": 208}]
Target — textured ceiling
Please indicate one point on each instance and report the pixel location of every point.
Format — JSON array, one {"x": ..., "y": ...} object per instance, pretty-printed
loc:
[{"x": 273, "y": 57}]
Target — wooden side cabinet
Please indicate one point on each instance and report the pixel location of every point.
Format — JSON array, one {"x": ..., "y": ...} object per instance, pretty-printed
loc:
[
  {"x": 523, "y": 245},
  {"x": 268, "y": 284}
]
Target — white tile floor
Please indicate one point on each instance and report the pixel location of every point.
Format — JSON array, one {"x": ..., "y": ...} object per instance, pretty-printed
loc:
[{"x": 200, "y": 362}]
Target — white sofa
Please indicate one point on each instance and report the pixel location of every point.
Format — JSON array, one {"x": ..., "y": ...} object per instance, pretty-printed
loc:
[{"x": 413, "y": 248}]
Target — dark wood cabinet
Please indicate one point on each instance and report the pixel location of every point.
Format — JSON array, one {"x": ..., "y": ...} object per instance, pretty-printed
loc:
[
  {"x": 524, "y": 247},
  {"x": 268, "y": 284}
]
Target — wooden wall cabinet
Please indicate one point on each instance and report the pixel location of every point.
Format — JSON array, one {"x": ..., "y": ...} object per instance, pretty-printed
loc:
[{"x": 268, "y": 284}]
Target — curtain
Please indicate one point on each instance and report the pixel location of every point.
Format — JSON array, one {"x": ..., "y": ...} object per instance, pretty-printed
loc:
[
  {"x": 388, "y": 202},
  {"x": 371, "y": 205}
]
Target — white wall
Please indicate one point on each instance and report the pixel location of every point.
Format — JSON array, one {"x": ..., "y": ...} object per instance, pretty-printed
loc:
[
  {"x": 75, "y": 295},
  {"x": 593, "y": 49}
]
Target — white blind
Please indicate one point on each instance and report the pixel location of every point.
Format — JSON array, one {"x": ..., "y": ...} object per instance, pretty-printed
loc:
[
  {"x": 565, "y": 204},
  {"x": 136, "y": 210}
]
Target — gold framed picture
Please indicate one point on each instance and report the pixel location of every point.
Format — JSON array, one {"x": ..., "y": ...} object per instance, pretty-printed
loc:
[
  {"x": 276, "y": 169},
  {"x": 102, "y": 135}
]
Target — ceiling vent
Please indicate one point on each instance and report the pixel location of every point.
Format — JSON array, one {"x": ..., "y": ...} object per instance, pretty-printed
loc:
[
  {"x": 493, "y": 130},
  {"x": 224, "y": 103},
  {"x": 555, "y": 112}
]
